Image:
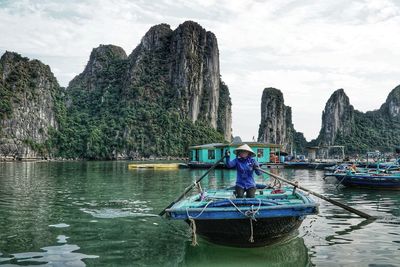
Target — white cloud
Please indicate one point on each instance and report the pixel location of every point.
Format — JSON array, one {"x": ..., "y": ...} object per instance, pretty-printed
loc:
[{"x": 306, "y": 48}]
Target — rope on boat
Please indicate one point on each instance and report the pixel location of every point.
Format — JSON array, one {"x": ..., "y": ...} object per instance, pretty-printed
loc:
[
  {"x": 276, "y": 183},
  {"x": 251, "y": 214},
  {"x": 251, "y": 239},
  {"x": 194, "y": 235},
  {"x": 201, "y": 212},
  {"x": 198, "y": 186},
  {"x": 193, "y": 223}
]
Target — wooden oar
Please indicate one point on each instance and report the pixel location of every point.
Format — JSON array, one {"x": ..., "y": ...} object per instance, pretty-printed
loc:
[
  {"x": 187, "y": 189},
  {"x": 334, "y": 202}
]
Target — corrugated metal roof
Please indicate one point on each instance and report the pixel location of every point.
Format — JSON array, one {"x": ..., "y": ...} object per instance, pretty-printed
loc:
[{"x": 212, "y": 145}]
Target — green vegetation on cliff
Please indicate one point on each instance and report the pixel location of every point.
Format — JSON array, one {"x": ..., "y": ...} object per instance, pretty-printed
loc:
[
  {"x": 371, "y": 131},
  {"x": 20, "y": 81},
  {"x": 361, "y": 132},
  {"x": 28, "y": 90},
  {"x": 164, "y": 97},
  {"x": 113, "y": 120}
]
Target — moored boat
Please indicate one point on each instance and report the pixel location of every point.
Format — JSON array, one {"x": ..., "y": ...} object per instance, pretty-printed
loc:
[
  {"x": 221, "y": 218},
  {"x": 369, "y": 180},
  {"x": 203, "y": 165},
  {"x": 297, "y": 164}
]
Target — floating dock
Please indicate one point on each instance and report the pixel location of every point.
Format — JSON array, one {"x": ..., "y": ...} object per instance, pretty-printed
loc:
[{"x": 156, "y": 166}]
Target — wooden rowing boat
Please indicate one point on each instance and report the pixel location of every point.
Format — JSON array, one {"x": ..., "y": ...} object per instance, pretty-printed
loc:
[{"x": 244, "y": 222}]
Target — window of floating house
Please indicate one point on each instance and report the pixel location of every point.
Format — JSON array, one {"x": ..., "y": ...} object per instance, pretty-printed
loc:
[
  {"x": 260, "y": 153},
  {"x": 211, "y": 154}
]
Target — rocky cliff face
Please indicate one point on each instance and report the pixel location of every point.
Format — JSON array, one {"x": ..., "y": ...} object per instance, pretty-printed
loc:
[
  {"x": 194, "y": 72},
  {"x": 391, "y": 107},
  {"x": 166, "y": 95},
  {"x": 188, "y": 62},
  {"x": 361, "y": 132},
  {"x": 276, "y": 125},
  {"x": 337, "y": 118},
  {"x": 28, "y": 95},
  {"x": 224, "y": 120},
  {"x": 101, "y": 59},
  {"x": 145, "y": 100}
]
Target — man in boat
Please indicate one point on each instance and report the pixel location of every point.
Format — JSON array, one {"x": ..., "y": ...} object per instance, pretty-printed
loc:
[
  {"x": 245, "y": 166},
  {"x": 353, "y": 168}
]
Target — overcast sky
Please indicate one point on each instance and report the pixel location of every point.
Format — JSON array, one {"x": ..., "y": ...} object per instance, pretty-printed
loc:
[{"x": 307, "y": 49}]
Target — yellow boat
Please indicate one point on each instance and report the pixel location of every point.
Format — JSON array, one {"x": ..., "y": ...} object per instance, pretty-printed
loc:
[{"x": 163, "y": 166}]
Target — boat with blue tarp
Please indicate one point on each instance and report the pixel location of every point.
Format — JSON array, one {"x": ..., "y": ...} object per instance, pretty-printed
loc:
[{"x": 220, "y": 217}]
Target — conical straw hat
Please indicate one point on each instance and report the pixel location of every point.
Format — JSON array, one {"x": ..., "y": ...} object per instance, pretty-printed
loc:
[{"x": 244, "y": 147}]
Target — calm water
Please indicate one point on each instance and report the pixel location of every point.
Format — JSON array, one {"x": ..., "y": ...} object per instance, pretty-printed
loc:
[{"x": 102, "y": 214}]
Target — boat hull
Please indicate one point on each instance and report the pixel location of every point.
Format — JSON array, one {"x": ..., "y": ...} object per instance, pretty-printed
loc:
[
  {"x": 201, "y": 165},
  {"x": 308, "y": 165},
  {"x": 237, "y": 232},
  {"x": 371, "y": 182},
  {"x": 297, "y": 165},
  {"x": 219, "y": 217}
]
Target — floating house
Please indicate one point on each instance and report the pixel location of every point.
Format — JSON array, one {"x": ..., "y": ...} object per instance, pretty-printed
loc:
[{"x": 204, "y": 156}]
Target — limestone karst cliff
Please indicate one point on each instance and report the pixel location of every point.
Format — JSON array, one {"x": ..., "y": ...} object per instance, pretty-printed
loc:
[
  {"x": 341, "y": 124},
  {"x": 276, "y": 125},
  {"x": 29, "y": 95},
  {"x": 358, "y": 131},
  {"x": 188, "y": 62},
  {"x": 168, "y": 89},
  {"x": 337, "y": 118},
  {"x": 163, "y": 97},
  {"x": 391, "y": 107}
]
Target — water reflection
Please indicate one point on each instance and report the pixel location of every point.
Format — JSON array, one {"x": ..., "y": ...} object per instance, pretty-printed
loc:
[
  {"x": 338, "y": 237},
  {"x": 61, "y": 255},
  {"x": 290, "y": 253}
]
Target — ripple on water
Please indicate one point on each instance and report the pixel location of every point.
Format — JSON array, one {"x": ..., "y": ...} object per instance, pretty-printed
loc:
[
  {"x": 62, "y": 239},
  {"x": 59, "y": 225},
  {"x": 79, "y": 193},
  {"x": 116, "y": 208},
  {"x": 107, "y": 213},
  {"x": 62, "y": 255}
]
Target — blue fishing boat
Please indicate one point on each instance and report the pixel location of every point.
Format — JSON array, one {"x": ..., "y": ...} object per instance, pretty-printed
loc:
[
  {"x": 221, "y": 218},
  {"x": 369, "y": 180}
]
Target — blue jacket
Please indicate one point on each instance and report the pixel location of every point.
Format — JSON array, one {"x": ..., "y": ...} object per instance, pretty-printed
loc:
[{"x": 245, "y": 168}]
